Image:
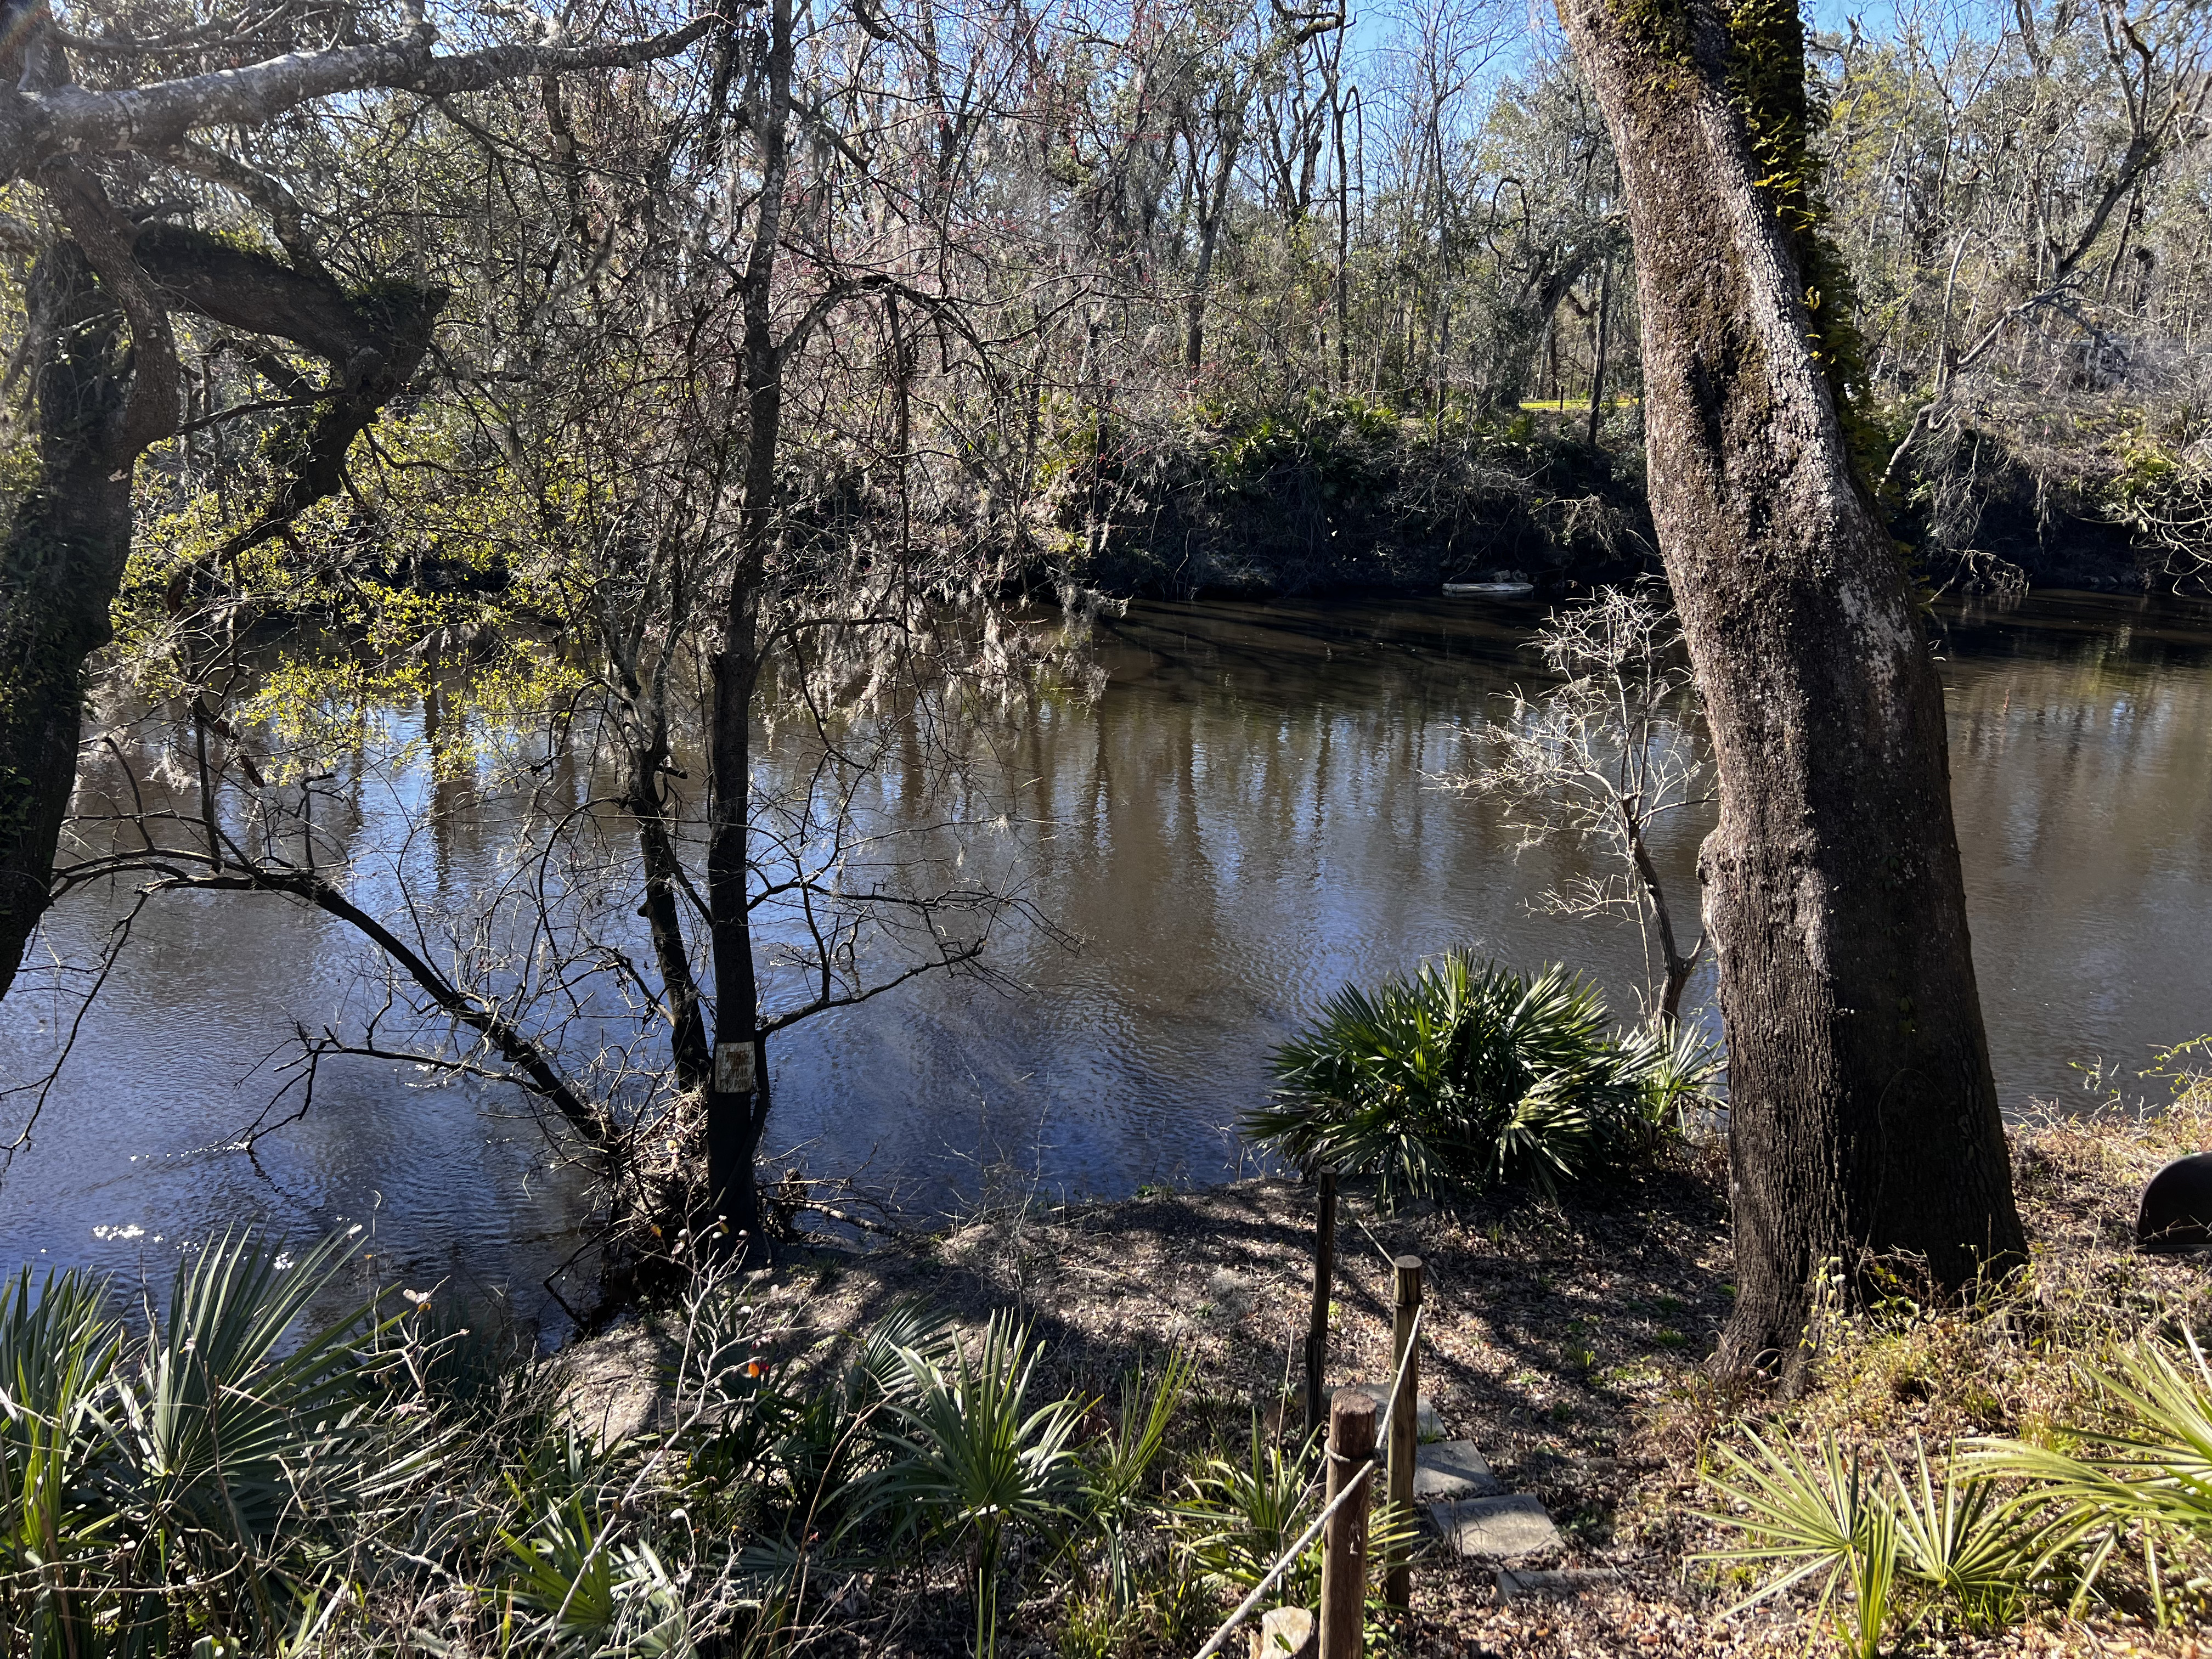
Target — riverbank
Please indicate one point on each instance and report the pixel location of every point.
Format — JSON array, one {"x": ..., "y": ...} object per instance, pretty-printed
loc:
[
  {"x": 1339, "y": 496},
  {"x": 1566, "y": 1341}
]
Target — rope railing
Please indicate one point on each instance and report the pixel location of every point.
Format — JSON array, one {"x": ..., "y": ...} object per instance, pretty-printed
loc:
[{"x": 1355, "y": 1483}]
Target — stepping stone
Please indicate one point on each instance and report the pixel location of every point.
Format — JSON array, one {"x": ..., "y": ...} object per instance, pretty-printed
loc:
[
  {"x": 1517, "y": 1584},
  {"x": 1427, "y": 1426},
  {"x": 1453, "y": 1468},
  {"x": 1498, "y": 1528}
]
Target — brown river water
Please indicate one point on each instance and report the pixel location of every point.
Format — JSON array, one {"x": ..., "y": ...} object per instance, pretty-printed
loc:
[{"x": 1240, "y": 823}]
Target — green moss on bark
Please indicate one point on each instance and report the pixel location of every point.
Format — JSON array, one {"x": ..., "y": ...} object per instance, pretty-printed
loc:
[{"x": 1766, "y": 84}]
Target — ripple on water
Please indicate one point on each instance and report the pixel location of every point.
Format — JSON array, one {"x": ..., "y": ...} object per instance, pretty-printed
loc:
[{"x": 1242, "y": 825}]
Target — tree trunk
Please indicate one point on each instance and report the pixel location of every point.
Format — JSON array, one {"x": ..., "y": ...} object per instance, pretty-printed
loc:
[
  {"x": 1214, "y": 208},
  {"x": 103, "y": 390},
  {"x": 1343, "y": 254},
  {"x": 737, "y": 1096},
  {"x": 1676, "y": 966},
  {"x": 1597, "y": 369},
  {"x": 60, "y": 567},
  {"x": 1863, "y": 1119},
  {"x": 687, "y": 1022}
]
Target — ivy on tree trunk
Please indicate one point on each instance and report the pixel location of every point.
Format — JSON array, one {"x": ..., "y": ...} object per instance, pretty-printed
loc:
[{"x": 1864, "y": 1125}]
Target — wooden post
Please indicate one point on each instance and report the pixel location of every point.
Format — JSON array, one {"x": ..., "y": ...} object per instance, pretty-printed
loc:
[
  {"x": 1405, "y": 1426},
  {"x": 1344, "y": 1545},
  {"x": 1324, "y": 1282}
]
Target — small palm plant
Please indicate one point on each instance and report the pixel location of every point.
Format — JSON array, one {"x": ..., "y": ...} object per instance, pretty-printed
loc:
[
  {"x": 1821, "y": 1518},
  {"x": 583, "y": 1590},
  {"x": 1957, "y": 1539},
  {"x": 1469, "y": 1073},
  {"x": 1675, "y": 1067},
  {"x": 2142, "y": 1459},
  {"x": 1120, "y": 1464},
  {"x": 1239, "y": 1513},
  {"x": 57, "y": 1349},
  {"x": 1861, "y": 1532},
  {"x": 971, "y": 1458},
  {"x": 243, "y": 1437},
  {"x": 190, "y": 1483}
]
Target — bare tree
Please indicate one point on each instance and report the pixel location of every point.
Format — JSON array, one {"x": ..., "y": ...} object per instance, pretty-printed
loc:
[
  {"x": 1995, "y": 173},
  {"x": 1605, "y": 755}
]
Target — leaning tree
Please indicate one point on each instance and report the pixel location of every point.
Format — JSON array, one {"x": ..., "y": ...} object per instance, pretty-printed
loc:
[
  {"x": 100, "y": 366},
  {"x": 1864, "y": 1123}
]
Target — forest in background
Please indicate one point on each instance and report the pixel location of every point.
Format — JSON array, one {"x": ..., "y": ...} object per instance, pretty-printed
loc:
[{"x": 1190, "y": 298}]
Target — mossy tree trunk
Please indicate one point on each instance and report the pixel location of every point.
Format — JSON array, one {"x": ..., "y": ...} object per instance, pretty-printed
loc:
[{"x": 1864, "y": 1118}]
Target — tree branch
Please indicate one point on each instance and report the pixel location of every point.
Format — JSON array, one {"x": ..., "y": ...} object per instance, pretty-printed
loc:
[
  {"x": 536, "y": 1072},
  {"x": 284, "y": 208},
  {"x": 154, "y": 118}
]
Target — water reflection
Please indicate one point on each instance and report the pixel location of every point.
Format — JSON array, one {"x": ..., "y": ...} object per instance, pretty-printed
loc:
[
  {"x": 1235, "y": 827},
  {"x": 2081, "y": 775}
]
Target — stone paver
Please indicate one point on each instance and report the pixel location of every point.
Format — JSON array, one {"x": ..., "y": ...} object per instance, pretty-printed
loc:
[
  {"x": 1287, "y": 1633},
  {"x": 1453, "y": 1468},
  {"x": 1428, "y": 1425},
  {"x": 1497, "y": 1528}
]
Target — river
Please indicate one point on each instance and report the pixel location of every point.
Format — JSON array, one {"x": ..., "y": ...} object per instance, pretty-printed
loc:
[{"x": 1238, "y": 824}]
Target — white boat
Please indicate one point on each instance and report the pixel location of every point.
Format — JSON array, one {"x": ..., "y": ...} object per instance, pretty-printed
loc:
[{"x": 1488, "y": 590}]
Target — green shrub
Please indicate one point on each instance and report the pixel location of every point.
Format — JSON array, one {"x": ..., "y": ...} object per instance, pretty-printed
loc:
[
  {"x": 971, "y": 1458},
  {"x": 1469, "y": 1073},
  {"x": 197, "y": 1481},
  {"x": 1118, "y": 1467},
  {"x": 1239, "y": 1513},
  {"x": 1982, "y": 1536},
  {"x": 1823, "y": 1519}
]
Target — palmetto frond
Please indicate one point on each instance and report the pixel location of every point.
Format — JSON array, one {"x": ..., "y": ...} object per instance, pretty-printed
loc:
[
  {"x": 226, "y": 1426},
  {"x": 1470, "y": 1072},
  {"x": 2142, "y": 1458},
  {"x": 1818, "y": 1518},
  {"x": 970, "y": 1457}
]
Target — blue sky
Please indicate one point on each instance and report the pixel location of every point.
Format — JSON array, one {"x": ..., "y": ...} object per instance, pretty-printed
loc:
[{"x": 1874, "y": 14}]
